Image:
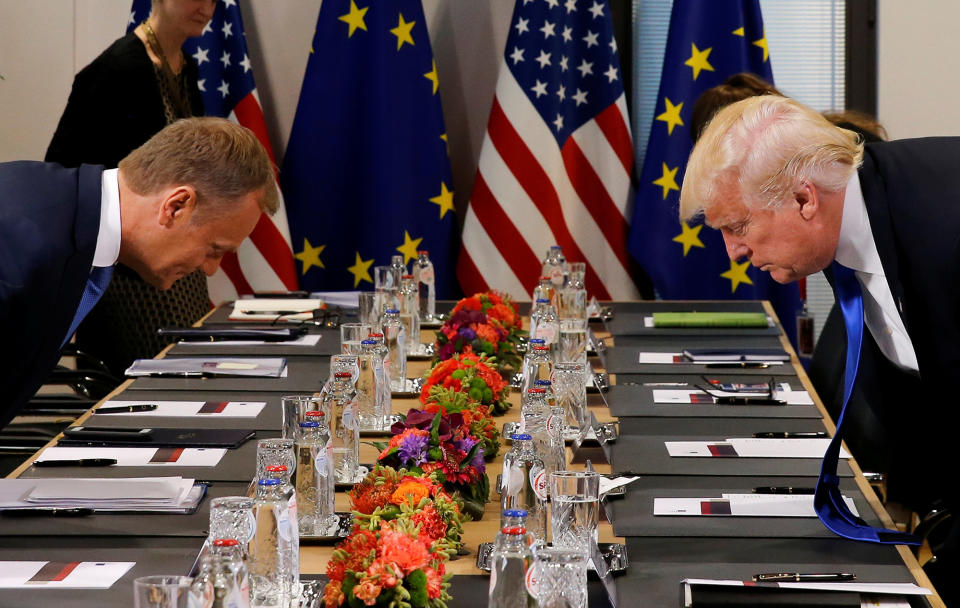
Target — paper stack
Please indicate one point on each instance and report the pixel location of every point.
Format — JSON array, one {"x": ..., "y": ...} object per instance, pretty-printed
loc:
[{"x": 141, "y": 494}]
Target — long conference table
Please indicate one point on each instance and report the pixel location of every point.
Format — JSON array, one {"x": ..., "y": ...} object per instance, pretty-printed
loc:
[{"x": 662, "y": 551}]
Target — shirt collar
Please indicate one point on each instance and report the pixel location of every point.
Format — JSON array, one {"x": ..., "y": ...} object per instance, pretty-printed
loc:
[
  {"x": 856, "y": 248},
  {"x": 108, "y": 238}
]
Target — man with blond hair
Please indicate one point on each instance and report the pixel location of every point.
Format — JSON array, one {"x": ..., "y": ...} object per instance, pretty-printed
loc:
[
  {"x": 794, "y": 195},
  {"x": 179, "y": 202}
]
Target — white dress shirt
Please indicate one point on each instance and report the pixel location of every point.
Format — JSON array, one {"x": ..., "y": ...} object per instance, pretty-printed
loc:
[
  {"x": 108, "y": 237},
  {"x": 857, "y": 250}
]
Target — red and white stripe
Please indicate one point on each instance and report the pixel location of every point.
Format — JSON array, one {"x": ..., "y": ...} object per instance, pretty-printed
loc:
[
  {"x": 264, "y": 262},
  {"x": 530, "y": 194}
]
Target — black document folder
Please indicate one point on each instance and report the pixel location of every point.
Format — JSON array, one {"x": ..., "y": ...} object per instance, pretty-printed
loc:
[{"x": 163, "y": 438}]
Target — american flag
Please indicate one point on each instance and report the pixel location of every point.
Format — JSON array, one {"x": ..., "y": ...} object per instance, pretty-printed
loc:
[
  {"x": 264, "y": 262},
  {"x": 557, "y": 158}
]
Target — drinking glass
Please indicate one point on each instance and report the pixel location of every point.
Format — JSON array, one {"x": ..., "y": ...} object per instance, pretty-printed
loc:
[
  {"x": 570, "y": 388},
  {"x": 294, "y": 407},
  {"x": 367, "y": 309},
  {"x": 572, "y": 304},
  {"x": 572, "y": 346},
  {"x": 276, "y": 452},
  {"x": 561, "y": 575},
  {"x": 232, "y": 517},
  {"x": 576, "y": 272},
  {"x": 384, "y": 278},
  {"x": 350, "y": 336},
  {"x": 162, "y": 591},
  {"x": 574, "y": 508}
]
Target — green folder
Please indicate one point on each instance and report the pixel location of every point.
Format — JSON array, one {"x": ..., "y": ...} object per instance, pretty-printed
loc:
[{"x": 710, "y": 319}]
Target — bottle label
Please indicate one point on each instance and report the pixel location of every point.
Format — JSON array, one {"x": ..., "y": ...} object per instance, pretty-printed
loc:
[
  {"x": 252, "y": 526},
  {"x": 532, "y": 581},
  {"x": 538, "y": 480},
  {"x": 553, "y": 425},
  {"x": 426, "y": 275},
  {"x": 321, "y": 462},
  {"x": 547, "y": 332},
  {"x": 283, "y": 523},
  {"x": 556, "y": 275},
  {"x": 241, "y": 595},
  {"x": 493, "y": 579},
  {"x": 514, "y": 480},
  {"x": 292, "y": 509},
  {"x": 348, "y": 420}
]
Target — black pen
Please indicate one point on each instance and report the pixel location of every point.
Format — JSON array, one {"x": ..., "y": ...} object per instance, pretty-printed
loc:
[
  {"x": 185, "y": 374},
  {"x": 791, "y": 435},
  {"x": 123, "y": 409},
  {"x": 739, "y": 365},
  {"x": 782, "y": 490},
  {"x": 81, "y": 462},
  {"x": 798, "y": 577},
  {"x": 280, "y": 313},
  {"x": 47, "y": 512}
]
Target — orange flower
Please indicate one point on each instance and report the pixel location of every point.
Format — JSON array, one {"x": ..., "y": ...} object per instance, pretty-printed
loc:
[
  {"x": 485, "y": 332},
  {"x": 434, "y": 582},
  {"x": 407, "y": 554},
  {"x": 410, "y": 492},
  {"x": 368, "y": 591}
]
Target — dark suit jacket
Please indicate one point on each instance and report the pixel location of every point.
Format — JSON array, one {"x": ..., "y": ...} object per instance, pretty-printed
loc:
[{"x": 49, "y": 223}]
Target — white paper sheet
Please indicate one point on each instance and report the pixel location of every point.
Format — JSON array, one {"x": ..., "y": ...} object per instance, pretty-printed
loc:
[
  {"x": 748, "y": 447},
  {"x": 851, "y": 586},
  {"x": 684, "y": 395},
  {"x": 136, "y": 457},
  {"x": 84, "y": 575},
  {"x": 304, "y": 340},
  {"x": 344, "y": 299},
  {"x": 669, "y": 358},
  {"x": 607, "y": 484},
  {"x": 746, "y": 505},
  {"x": 185, "y": 409},
  {"x": 240, "y": 308}
]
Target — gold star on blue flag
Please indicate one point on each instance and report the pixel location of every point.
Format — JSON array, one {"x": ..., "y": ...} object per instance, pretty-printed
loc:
[
  {"x": 707, "y": 43},
  {"x": 366, "y": 163}
]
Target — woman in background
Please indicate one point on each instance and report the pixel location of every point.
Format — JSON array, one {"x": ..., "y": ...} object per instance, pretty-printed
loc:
[{"x": 141, "y": 83}]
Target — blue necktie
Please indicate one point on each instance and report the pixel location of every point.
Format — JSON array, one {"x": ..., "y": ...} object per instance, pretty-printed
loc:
[
  {"x": 827, "y": 500},
  {"x": 96, "y": 285}
]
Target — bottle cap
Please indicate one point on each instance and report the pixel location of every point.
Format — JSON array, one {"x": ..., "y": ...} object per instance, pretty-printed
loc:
[
  {"x": 309, "y": 424},
  {"x": 514, "y": 530},
  {"x": 543, "y": 301},
  {"x": 515, "y": 513},
  {"x": 269, "y": 482},
  {"x": 544, "y": 383},
  {"x": 275, "y": 468},
  {"x": 225, "y": 542},
  {"x": 375, "y": 335},
  {"x": 314, "y": 414},
  {"x": 544, "y": 278},
  {"x": 555, "y": 247},
  {"x": 423, "y": 252},
  {"x": 536, "y": 341},
  {"x": 406, "y": 276},
  {"x": 342, "y": 375},
  {"x": 368, "y": 342},
  {"x": 541, "y": 348},
  {"x": 521, "y": 436},
  {"x": 537, "y": 391},
  {"x": 392, "y": 311}
]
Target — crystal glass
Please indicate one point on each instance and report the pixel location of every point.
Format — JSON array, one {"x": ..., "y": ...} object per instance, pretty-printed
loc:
[
  {"x": 572, "y": 304},
  {"x": 576, "y": 272},
  {"x": 561, "y": 577},
  {"x": 345, "y": 363},
  {"x": 276, "y": 452},
  {"x": 574, "y": 508},
  {"x": 570, "y": 388},
  {"x": 367, "y": 308},
  {"x": 294, "y": 407},
  {"x": 350, "y": 336},
  {"x": 162, "y": 592},
  {"x": 232, "y": 517},
  {"x": 384, "y": 278},
  {"x": 572, "y": 345}
]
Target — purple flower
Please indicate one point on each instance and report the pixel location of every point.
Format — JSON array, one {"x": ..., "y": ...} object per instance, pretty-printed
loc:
[
  {"x": 467, "y": 333},
  {"x": 447, "y": 350},
  {"x": 465, "y": 445},
  {"x": 413, "y": 449}
]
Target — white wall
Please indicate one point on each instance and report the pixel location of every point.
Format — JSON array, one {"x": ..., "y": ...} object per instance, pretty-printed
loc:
[
  {"x": 43, "y": 43},
  {"x": 918, "y": 67}
]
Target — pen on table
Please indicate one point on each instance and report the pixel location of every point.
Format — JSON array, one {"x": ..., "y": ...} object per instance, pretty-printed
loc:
[
  {"x": 184, "y": 374},
  {"x": 51, "y": 512},
  {"x": 81, "y": 462},
  {"x": 791, "y": 435},
  {"x": 741, "y": 364},
  {"x": 123, "y": 409},
  {"x": 799, "y": 577},
  {"x": 782, "y": 490}
]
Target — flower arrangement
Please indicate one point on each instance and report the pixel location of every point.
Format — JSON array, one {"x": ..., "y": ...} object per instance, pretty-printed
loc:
[
  {"x": 475, "y": 375},
  {"x": 393, "y": 565},
  {"x": 441, "y": 448},
  {"x": 476, "y": 416},
  {"x": 485, "y": 323},
  {"x": 388, "y": 494}
]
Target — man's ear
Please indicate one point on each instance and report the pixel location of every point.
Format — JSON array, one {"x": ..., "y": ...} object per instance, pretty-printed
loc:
[
  {"x": 177, "y": 205},
  {"x": 808, "y": 201}
]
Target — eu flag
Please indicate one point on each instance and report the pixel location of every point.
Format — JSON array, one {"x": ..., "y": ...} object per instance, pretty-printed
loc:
[
  {"x": 366, "y": 174},
  {"x": 707, "y": 43}
]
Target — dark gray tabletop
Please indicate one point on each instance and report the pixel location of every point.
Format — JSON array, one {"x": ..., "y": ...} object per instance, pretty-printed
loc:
[
  {"x": 713, "y": 428},
  {"x": 268, "y": 419},
  {"x": 304, "y": 375},
  {"x": 628, "y": 319},
  {"x": 626, "y": 360},
  {"x": 632, "y": 401},
  {"x": 329, "y": 344}
]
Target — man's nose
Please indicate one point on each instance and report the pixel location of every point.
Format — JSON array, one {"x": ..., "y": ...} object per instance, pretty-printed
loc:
[
  {"x": 210, "y": 266},
  {"x": 736, "y": 249}
]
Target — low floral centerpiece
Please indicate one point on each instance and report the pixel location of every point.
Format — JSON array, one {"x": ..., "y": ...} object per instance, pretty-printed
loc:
[
  {"x": 485, "y": 323},
  {"x": 476, "y": 416},
  {"x": 475, "y": 375}
]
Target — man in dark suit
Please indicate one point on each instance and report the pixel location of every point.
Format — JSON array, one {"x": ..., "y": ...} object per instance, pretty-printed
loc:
[
  {"x": 793, "y": 194},
  {"x": 181, "y": 201}
]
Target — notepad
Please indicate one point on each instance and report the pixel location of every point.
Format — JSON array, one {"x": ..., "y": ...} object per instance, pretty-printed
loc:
[
  {"x": 139, "y": 457},
  {"x": 268, "y": 309},
  {"x": 742, "y": 505},
  {"x": 189, "y": 409},
  {"x": 61, "y": 574},
  {"x": 710, "y": 319},
  {"x": 750, "y": 447},
  {"x": 665, "y": 396},
  {"x": 141, "y": 494},
  {"x": 263, "y": 367}
]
